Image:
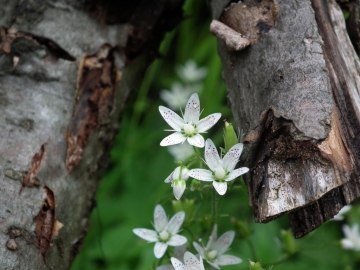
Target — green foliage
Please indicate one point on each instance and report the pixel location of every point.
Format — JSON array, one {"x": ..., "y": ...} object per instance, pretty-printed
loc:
[{"x": 134, "y": 183}]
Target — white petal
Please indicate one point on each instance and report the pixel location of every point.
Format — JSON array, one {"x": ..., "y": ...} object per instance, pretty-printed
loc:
[
  {"x": 201, "y": 264},
  {"x": 159, "y": 249},
  {"x": 177, "y": 264},
  {"x": 160, "y": 219},
  {"x": 232, "y": 157},
  {"x": 172, "y": 118},
  {"x": 191, "y": 261},
  {"x": 201, "y": 174},
  {"x": 212, "y": 238},
  {"x": 148, "y": 235},
  {"x": 192, "y": 109},
  {"x": 206, "y": 123},
  {"x": 347, "y": 244},
  {"x": 224, "y": 241},
  {"x": 179, "y": 188},
  {"x": 213, "y": 264},
  {"x": 228, "y": 260},
  {"x": 165, "y": 267},
  {"x": 220, "y": 187},
  {"x": 176, "y": 240},
  {"x": 211, "y": 155},
  {"x": 170, "y": 178},
  {"x": 196, "y": 140},
  {"x": 199, "y": 249},
  {"x": 172, "y": 139},
  {"x": 176, "y": 222},
  {"x": 236, "y": 173},
  {"x": 176, "y": 174}
]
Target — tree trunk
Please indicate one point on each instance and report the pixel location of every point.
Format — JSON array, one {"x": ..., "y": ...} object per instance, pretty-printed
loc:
[
  {"x": 294, "y": 91},
  {"x": 66, "y": 70}
]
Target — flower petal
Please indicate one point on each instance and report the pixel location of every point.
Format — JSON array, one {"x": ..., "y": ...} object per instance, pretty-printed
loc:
[
  {"x": 172, "y": 139},
  {"x": 196, "y": 140},
  {"x": 160, "y": 219},
  {"x": 213, "y": 264},
  {"x": 192, "y": 110},
  {"x": 170, "y": 178},
  {"x": 224, "y": 241},
  {"x": 211, "y": 155},
  {"x": 179, "y": 188},
  {"x": 176, "y": 240},
  {"x": 159, "y": 249},
  {"x": 176, "y": 222},
  {"x": 172, "y": 118},
  {"x": 201, "y": 174},
  {"x": 220, "y": 187},
  {"x": 199, "y": 249},
  {"x": 177, "y": 264},
  {"x": 148, "y": 235},
  {"x": 212, "y": 238},
  {"x": 347, "y": 244},
  {"x": 228, "y": 260},
  {"x": 207, "y": 122},
  {"x": 191, "y": 261},
  {"x": 232, "y": 157},
  {"x": 235, "y": 173}
]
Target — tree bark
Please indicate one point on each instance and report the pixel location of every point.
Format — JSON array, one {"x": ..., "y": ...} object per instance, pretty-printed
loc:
[
  {"x": 294, "y": 91},
  {"x": 66, "y": 70}
]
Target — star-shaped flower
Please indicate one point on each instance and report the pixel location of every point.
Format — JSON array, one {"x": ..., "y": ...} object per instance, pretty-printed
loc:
[
  {"x": 222, "y": 170},
  {"x": 190, "y": 262},
  {"x": 189, "y": 127},
  {"x": 215, "y": 248},
  {"x": 352, "y": 237},
  {"x": 165, "y": 233},
  {"x": 190, "y": 73},
  {"x": 177, "y": 179}
]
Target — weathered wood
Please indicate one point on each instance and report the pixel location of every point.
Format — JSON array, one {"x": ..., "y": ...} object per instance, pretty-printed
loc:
[
  {"x": 46, "y": 96},
  {"x": 300, "y": 143},
  {"x": 344, "y": 70}
]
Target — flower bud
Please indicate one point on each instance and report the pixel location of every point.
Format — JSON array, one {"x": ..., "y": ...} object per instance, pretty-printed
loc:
[
  {"x": 255, "y": 265},
  {"x": 189, "y": 206},
  {"x": 195, "y": 184},
  {"x": 242, "y": 229},
  {"x": 230, "y": 138},
  {"x": 288, "y": 240},
  {"x": 177, "y": 206}
]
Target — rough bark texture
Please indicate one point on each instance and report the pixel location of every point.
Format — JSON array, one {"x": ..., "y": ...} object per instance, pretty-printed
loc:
[
  {"x": 65, "y": 75},
  {"x": 294, "y": 92}
]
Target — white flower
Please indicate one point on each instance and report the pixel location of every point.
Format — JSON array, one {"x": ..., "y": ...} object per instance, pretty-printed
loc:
[
  {"x": 165, "y": 233},
  {"x": 178, "y": 254},
  {"x": 179, "y": 95},
  {"x": 222, "y": 170},
  {"x": 190, "y": 72},
  {"x": 215, "y": 248},
  {"x": 352, "y": 237},
  {"x": 181, "y": 151},
  {"x": 191, "y": 262},
  {"x": 189, "y": 127},
  {"x": 343, "y": 211},
  {"x": 177, "y": 179}
]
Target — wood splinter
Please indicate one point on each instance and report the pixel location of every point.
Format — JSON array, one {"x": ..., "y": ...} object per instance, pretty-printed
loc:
[{"x": 234, "y": 41}]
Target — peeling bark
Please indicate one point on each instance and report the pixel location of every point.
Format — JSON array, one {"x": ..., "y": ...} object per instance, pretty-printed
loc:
[
  {"x": 59, "y": 79},
  {"x": 294, "y": 91}
]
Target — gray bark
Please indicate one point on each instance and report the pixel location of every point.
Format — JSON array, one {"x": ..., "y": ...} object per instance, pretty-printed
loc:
[
  {"x": 64, "y": 80},
  {"x": 294, "y": 91}
]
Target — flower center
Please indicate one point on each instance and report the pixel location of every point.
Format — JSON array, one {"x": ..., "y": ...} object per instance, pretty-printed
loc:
[
  {"x": 189, "y": 129},
  {"x": 220, "y": 173},
  {"x": 164, "y": 236},
  {"x": 211, "y": 255}
]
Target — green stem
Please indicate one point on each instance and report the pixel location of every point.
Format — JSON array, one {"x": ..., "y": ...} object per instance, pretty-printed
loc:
[
  {"x": 252, "y": 249},
  {"x": 215, "y": 199}
]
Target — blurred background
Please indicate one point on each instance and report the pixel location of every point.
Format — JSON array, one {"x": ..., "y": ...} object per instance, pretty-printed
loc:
[{"x": 134, "y": 183}]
